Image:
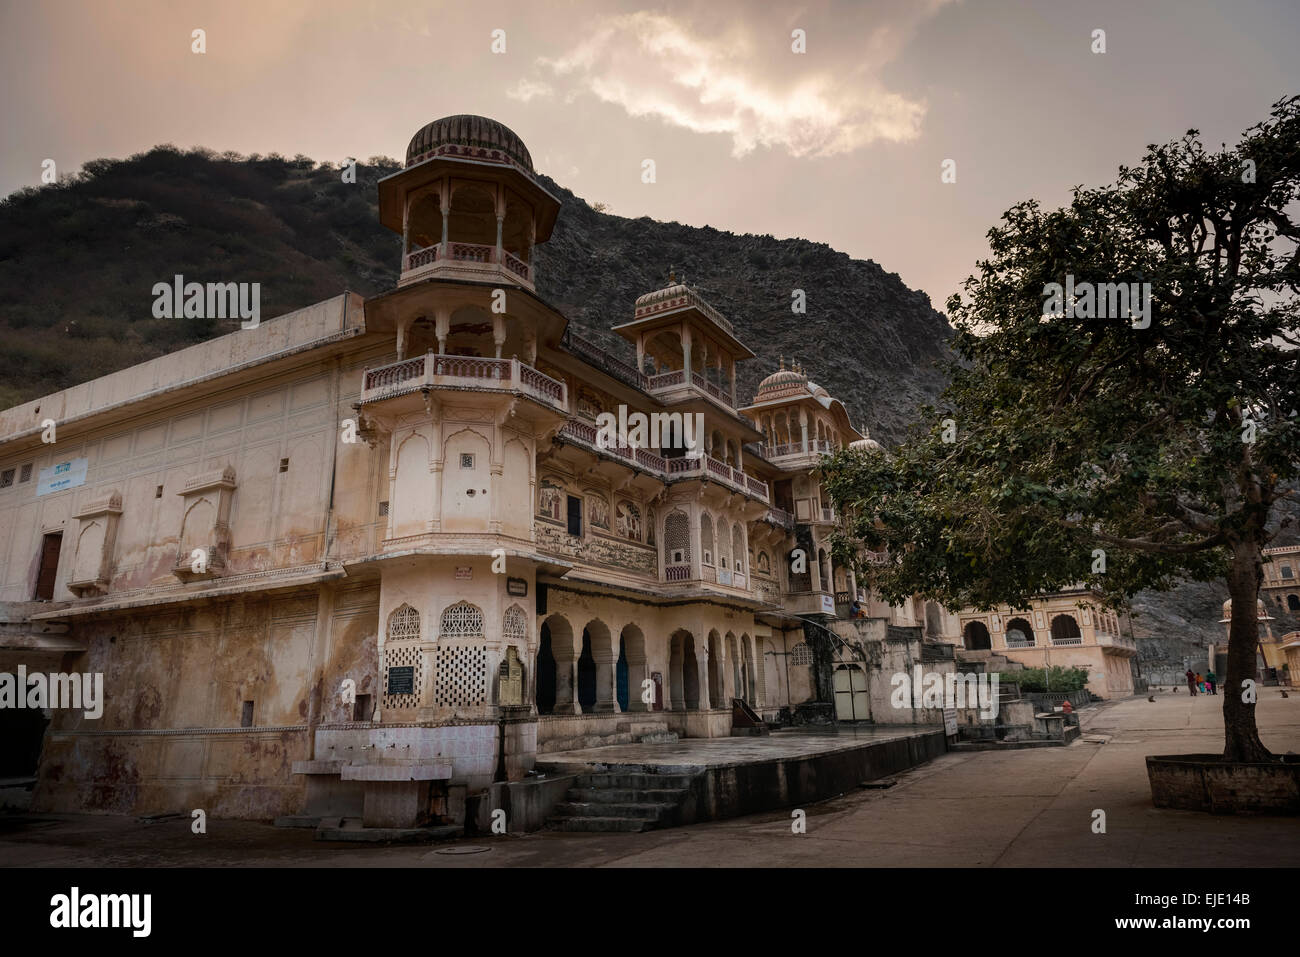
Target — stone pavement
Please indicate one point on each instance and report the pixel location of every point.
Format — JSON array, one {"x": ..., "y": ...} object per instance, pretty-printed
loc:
[
  {"x": 691, "y": 754},
  {"x": 980, "y": 809}
]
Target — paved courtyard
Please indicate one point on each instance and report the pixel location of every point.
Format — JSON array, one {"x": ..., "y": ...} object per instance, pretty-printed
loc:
[{"x": 982, "y": 809}]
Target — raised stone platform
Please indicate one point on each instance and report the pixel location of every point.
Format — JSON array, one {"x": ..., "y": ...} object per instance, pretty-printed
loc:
[{"x": 729, "y": 777}]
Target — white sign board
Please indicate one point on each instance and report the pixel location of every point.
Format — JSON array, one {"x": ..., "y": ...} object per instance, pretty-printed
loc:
[
  {"x": 950, "y": 722},
  {"x": 828, "y": 604},
  {"x": 62, "y": 476}
]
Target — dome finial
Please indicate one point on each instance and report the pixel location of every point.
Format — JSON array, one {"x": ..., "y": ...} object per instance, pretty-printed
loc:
[
  {"x": 782, "y": 363},
  {"x": 672, "y": 275}
]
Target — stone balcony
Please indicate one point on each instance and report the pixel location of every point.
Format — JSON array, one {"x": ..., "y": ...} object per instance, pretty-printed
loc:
[
  {"x": 473, "y": 261},
  {"x": 811, "y": 603},
  {"x": 666, "y": 469},
  {"x": 1125, "y": 644},
  {"x": 433, "y": 371},
  {"x": 795, "y": 454},
  {"x": 679, "y": 385}
]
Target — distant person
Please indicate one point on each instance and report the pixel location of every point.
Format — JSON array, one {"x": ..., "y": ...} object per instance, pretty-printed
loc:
[
  {"x": 1212, "y": 681},
  {"x": 1200, "y": 682},
  {"x": 1191, "y": 682}
]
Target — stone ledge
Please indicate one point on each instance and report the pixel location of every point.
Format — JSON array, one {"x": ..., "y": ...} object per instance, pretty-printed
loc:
[{"x": 1205, "y": 782}]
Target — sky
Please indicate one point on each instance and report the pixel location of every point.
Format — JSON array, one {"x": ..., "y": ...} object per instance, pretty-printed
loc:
[{"x": 844, "y": 143}]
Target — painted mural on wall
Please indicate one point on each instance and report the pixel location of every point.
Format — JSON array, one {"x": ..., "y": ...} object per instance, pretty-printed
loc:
[
  {"x": 598, "y": 511},
  {"x": 550, "y": 500},
  {"x": 627, "y": 520}
]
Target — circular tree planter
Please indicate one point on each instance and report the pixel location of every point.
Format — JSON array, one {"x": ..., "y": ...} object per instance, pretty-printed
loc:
[{"x": 1205, "y": 782}]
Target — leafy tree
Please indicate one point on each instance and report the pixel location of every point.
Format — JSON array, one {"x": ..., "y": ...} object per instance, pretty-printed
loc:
[{"x": 1111, "y": 452}]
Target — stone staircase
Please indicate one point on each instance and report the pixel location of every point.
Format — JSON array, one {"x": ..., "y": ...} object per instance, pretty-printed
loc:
[
  {"x": 621, "y": 801},
  {"x": 632, "y": 731}
]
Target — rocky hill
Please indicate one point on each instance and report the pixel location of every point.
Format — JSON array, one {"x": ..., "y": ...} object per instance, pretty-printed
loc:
[{"x": 78, "y": 261}]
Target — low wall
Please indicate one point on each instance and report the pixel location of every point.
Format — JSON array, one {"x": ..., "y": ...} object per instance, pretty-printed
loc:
[
  {"x": 726, "y": 792},
  {"x": 527, "y": 803},
  {"x": 1205, "y": 782}
]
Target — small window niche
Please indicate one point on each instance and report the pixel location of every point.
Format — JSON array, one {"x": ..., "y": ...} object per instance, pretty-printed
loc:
[
  {"x": 362, "y": 709},
  {"x": 92, "y": 564},
  {"x": 246, "y": 715},
  {"x": 204, "y": 534}
]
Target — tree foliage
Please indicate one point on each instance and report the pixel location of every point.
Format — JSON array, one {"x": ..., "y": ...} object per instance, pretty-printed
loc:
[{"x": 1094, "y": 450}]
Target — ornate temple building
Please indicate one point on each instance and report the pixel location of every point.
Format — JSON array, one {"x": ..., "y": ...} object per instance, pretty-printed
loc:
[
  {"x": 1068, "y": 629},
  {"x": 373, "y": 555}
]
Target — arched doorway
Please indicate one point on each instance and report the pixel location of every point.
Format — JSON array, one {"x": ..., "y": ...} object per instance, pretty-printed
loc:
[
  {"x": 933, "y": 619},
  {"x": 1019, "y": 634},
  {"x": 586, "y": 675},
  {"x": 620, "y": 675},
  {"x": 715, "y": 670},
  {"x": 733, "y": 659},
  {"x": 545, "y": 694},
  {"x": 553, "y": 693},
  {"x": 747, "y": 671},
  {"x": 683, "y": 672},
  {"x": 631, "y": 643},
  {"x": 977, "y": 637}
]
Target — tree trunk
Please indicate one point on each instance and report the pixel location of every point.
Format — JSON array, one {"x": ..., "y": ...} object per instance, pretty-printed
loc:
[{"x": 1241, "y": 737}]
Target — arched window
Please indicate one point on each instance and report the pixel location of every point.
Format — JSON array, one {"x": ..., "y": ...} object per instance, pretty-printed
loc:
[
  {"x": 1019, "y": 634},
  {"x": 514, "y": 625},
  {"x": 404, "y": 624},
  {"x": 977, "y": 636},
  {"x": 461, "y": 620},
  {"x": 738, "y": 547},
  {"x": 706, "y": 538},
  {"x": 677, "y": 539},
  {"x": 724, "y": 544},
  {"x": 1065, "y": 631}
]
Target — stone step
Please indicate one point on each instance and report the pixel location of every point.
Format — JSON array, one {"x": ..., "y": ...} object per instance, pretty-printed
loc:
[
  {"x": 641, "y": 812},
  {"x": 635, "y": 728},
  {"x": 600, "y": 824},
  {"x": 625, "y": 795},
  {"x": 633, "y": 779},
  {"x": 658, "y": 737}
]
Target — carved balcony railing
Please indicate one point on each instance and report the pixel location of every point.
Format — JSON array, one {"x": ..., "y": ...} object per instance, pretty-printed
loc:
[
  {"x": 676, "y": 378},
  {"x": 432, "y": 370},
  {"x": 478, "y": 253},
  {"x": 516, "y": 265},
  {"x": 677, "y": 573},
  {"x": 603, "y": 359},
  {"x": 796, "y": 448},
  {"x": 665, "y": 379},
  {"x": 717, "y": 392},
  {"x": 779, "y": 516},
  {"x": 703, "y": 466}
]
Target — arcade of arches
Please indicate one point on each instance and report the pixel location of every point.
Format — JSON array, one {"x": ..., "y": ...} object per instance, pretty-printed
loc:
[{"x": 591, "y": 667}]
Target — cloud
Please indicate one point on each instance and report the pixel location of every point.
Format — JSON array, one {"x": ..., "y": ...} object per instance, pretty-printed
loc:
[
  {"x": 740, "y": 83},
  {"x": 526, "y": 90}
]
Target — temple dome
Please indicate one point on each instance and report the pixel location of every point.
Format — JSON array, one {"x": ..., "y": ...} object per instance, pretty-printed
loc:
[
  {"x": 866, "y": 443},
  {"x": 671, "y": 291},
  {"x": 781, "y": 382},
  {"x": 474, "y": 137},
  {"x": 1261, "y": 613}
]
